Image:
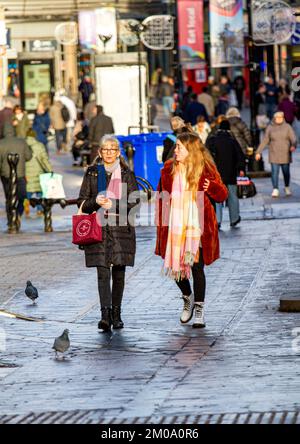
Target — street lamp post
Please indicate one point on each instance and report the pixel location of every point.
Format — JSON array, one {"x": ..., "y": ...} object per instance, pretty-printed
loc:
[
  {"x": 138, "y": 29},
  {"x": 105, "y": 38}
]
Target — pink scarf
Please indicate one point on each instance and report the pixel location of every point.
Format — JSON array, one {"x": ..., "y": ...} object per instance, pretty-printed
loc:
[
  {"x": 114, "y": 190},
  {"x": 184, "y": 231}
]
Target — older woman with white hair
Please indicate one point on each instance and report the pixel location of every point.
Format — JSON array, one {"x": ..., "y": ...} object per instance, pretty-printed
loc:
[
  {"x": 239, "y": 129},
  {"x": 107, "y": 185},
  {"x": 281, "y": 140}
]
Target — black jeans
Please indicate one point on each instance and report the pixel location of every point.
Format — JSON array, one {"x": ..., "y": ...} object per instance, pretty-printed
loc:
[
  {"x": 108, "y": 296},
  {"x": 21, "y": 193},
  {"x": 199, "y": 281}
]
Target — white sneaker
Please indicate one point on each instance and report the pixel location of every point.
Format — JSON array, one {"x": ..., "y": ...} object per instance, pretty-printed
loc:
[
  {"x": 287, "y": 191},
  {"x": 188, "y": 308},
  {"x": 275, "y": 192},
  {"x": 199, "y": 315}
]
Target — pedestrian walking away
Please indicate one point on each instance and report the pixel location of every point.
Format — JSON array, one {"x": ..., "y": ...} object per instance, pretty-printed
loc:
[
  {"x": 39, "y": 164},
  {"x": 230, "y": 161},
  {"x": 100, "y": 125},
  {"x": 239, "y": 129},
  {"x": 118, "y": 246},
  {"x": 185, "y": 242},
  {"x": 281, "y": 140},
  {"x": 12, "y": 144},
  {"x": 59, "y": 125}
]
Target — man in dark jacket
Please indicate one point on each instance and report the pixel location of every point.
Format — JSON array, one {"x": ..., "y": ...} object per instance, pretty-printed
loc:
[
  {"x": 230, "y": 162},
  {"x": 12, "y": 144},
  {"x": 100, "y": 126},
  {"x": 195, "y": 109},
  {"x": 6, "y": 115}
]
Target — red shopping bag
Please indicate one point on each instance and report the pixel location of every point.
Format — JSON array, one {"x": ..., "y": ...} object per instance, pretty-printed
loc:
[{"x": 86, "y": 228}]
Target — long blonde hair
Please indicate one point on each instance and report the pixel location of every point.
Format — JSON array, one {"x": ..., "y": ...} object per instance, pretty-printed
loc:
[{"x": 198, "y": 158}]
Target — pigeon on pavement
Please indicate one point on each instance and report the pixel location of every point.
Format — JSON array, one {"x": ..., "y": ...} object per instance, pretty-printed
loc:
[
  {"x": 31, "y": 292},
  {"x": 62, "y": 343}
]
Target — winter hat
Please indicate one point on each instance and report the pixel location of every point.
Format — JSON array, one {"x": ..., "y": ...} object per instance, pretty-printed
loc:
[{"x": 233, "y": 112}]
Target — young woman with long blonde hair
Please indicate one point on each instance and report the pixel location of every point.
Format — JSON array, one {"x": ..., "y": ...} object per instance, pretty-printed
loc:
[{"x": 187, "y": 229}]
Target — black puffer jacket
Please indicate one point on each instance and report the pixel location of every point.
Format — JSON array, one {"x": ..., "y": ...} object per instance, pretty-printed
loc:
[
  {"x": 241, "y": 132},
  {"x": 118, "y": 244}
]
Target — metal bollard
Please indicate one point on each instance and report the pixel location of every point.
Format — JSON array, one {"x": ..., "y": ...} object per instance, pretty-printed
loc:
[
  {"x": 47, "y": 205},
  {"x": 12, "y": 216},
  {"x": 130, "y": 151}
]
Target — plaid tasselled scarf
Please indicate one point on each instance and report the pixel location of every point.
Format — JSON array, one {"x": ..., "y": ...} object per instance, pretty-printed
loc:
[{"x": 184, "y": 230}]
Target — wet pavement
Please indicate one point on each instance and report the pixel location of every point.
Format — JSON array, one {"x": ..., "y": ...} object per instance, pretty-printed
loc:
[{"x": 242, "y": 367}]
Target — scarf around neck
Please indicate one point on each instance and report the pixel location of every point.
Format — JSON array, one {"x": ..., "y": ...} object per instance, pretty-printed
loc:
[
  {"x": 114, "y": 190},
  {"x": 184, "y": 235}
]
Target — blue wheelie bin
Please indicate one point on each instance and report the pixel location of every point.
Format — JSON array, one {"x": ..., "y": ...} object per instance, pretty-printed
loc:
[{"x": 148, "y": 154}]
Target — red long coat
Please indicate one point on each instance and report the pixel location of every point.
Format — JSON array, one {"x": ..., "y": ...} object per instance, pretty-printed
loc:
[{"x": 210, "y": 237}]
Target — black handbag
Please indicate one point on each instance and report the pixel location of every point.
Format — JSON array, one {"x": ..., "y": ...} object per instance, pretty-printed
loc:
[{"x": 245, "y": 188}]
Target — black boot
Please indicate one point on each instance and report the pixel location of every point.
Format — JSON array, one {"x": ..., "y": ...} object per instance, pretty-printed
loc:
[
  {"x": 105, "y": 322},
  {"x": 116, "y": 317}
]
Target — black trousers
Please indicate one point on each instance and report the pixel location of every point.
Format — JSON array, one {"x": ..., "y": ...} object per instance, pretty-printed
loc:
[
  {"x": 21, "y": 193},
  {"x": 111, "y": 296},
  {"x": 199, "y": 281}
]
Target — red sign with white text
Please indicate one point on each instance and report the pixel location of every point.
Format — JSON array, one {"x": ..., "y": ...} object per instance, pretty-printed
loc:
[{"x": 191, "y": 36}]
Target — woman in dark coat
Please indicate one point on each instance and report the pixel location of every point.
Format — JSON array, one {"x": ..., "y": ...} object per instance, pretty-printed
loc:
[{"x": 118, "y": 245}]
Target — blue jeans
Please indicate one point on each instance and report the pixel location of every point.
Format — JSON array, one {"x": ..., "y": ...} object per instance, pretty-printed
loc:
[
  {"x": 233, "y": 205},
  {"x": 37, "y": 195},
  {"x": 285, "y": 167}
]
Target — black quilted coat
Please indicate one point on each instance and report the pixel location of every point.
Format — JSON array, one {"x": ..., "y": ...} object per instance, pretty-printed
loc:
[{"x": 118, "y": 244}]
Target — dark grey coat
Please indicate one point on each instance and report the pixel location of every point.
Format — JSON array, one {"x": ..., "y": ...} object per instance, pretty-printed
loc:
[{"x": 118, "y": 244}]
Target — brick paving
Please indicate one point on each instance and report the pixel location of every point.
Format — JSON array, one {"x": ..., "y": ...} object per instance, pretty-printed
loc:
[{"x": 244, "y": 367}]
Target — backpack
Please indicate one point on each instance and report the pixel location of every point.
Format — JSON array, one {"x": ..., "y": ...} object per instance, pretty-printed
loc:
[{"x": 65, "y": 114}]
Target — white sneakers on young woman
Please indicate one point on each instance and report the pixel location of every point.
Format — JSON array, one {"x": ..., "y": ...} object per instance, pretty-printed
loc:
[{"x": 189, "y": 306}]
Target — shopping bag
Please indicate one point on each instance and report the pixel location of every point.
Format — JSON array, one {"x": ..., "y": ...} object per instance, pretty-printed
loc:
[
  {"x": 52, "y": 186},
  {"x": 245, "y": 187},
  {"x": 86, "y": 228}
]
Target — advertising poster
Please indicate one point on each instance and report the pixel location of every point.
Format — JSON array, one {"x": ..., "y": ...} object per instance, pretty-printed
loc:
[
  {"x": 36, "y": 84},
  {"x": 226, "y": 33},
  {"x": 87, "y": 29},
  {"x": 191, "y": 35}
]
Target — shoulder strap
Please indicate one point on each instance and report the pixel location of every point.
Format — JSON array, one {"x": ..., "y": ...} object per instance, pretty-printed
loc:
[{"x": 101, "y": 178}]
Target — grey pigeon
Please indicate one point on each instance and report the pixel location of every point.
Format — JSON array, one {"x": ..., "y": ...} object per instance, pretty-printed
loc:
[
  {"x": 31, "y": 292},
  {"x": 62, "y": 343}
]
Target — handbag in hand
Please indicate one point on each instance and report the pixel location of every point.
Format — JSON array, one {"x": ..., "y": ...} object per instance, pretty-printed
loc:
[
  {"x": 86, "y": 228},
  {"x": 245, "y": 188}
]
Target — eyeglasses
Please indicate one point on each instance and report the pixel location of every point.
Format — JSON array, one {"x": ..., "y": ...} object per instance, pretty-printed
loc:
[{"x": 109, "y": 150}]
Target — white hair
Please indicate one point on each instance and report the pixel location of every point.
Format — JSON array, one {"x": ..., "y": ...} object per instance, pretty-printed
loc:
[{"x": 109, "y": 138}]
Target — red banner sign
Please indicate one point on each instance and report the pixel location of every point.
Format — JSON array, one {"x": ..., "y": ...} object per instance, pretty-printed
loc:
[{"x": 191, "y": 36}]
